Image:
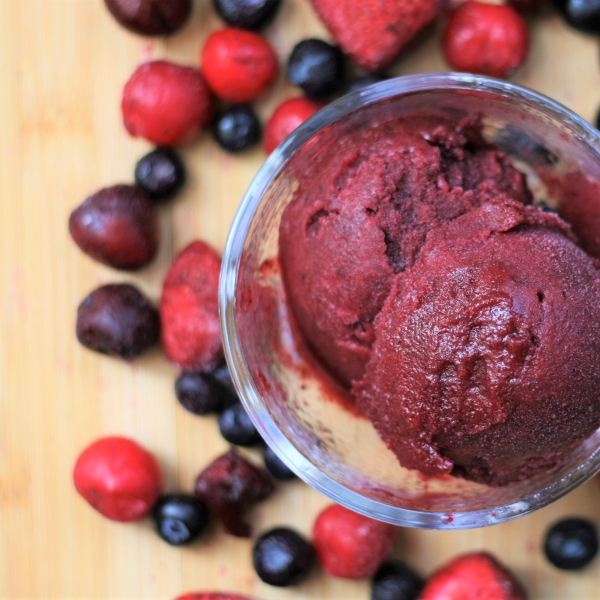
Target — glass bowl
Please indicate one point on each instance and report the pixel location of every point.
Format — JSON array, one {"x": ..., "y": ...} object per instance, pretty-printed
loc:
[{"x": 326, "y": 444}]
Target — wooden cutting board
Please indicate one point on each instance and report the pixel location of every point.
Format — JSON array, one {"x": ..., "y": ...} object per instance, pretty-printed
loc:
[{"x": 63, "y": 64}]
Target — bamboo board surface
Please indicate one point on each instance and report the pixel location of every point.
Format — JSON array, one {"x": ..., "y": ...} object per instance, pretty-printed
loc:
[{"x": 62, "y": 67}]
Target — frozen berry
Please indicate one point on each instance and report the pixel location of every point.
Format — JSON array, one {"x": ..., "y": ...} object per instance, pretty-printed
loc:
[
  {"x": 581, "y": 14},
  {"x": 237, "y": 128},
  {"x": 526, "y": 7},
  {"x": 223, "y": 376},
  {"x": 238, "y": 65},
  {"x": 117, "y": 226},
  {"x": 212, "y": 596},
  {"x": 287, "y": 117},
  {"x": 118, "y": 478},
  {"x": 282, "y": 557},
  {"x": 276, "y": 467},
  {"x": 359, "y": 83},
  {"x": 160, "y": 173},
  {"x": 189, "y": 311},
  {"x": 228, "y": 486},
  {"x": 317, "y": 67},
  {"x": 150, "y": 17},
  {"x": 179, "y": 518},
  {"x": 247, "y": 14},
  {"x": 236, "y": 426},
  {"x": 571, "y": 543},
  {"x": 202, "y": 394},
  {"x": 483, "y": 38},
  {"x": 473, "y": 577},
  {"x": 396, "y": 581},
  {"x": 351, "y": 545},
  {"x": 165, "y": 103},
  {"x": 117, "y": 320}
]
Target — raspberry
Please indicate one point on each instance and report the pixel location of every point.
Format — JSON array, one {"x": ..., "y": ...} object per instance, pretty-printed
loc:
[
  {"x": 350, "y": 545},
  {"x": 238, "y": 65},
  {"x": 485, "y": 38},
  {"x": 117, "y": 226},
  {"x": 287, "y": 117},
  {"x": 228, "y": 486},
  {"x": 189, "y": 313},
  {"x": 118, "y": 478},
  {"x": 165, "y": 103}
]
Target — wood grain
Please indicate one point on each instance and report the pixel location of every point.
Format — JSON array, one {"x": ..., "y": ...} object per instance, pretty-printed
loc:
[{"x": 62, "y": 67}]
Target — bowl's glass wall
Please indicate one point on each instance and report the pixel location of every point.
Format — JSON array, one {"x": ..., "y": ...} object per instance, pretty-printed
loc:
[{"x": 330, "y": 447}]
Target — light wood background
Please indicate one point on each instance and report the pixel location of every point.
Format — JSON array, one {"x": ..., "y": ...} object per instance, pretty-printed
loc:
[{"x": 63, "y": 64}]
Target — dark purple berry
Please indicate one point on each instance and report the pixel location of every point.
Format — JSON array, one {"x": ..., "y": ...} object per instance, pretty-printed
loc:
[
  {"x": 359, "y": 83},
  {"x": 571, "y": 543},
  {"x": 237, "y": 128},
  {"x": 201, "y": 394},
  {"x": 282, "y": 557},
  {"x": 117, "y": 226},
  {"x": 117, "y": 320},
  {"x": 276, "y": 467},
  {"x": 395, "y": 580},
  {"x": 247, "y": 14},
  {"x": 581, "y": 14},
  {"x": 317, "y": 67},
  {"x": 179, "y": 518},
  {"x": 150, "y": 17},
  {"x": 160, "y": 173},
  {"x": 236, "y": 426},
  {"x": 223, "y": 376}
]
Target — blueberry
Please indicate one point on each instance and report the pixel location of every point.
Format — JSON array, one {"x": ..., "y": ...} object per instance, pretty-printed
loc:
[
  {"x": 317, "y": 67},
  {"x": 236, "y": 426},
  {"x": 237, "y": 128},
  {"x": 571, "y": 543},
  {"x": 281, "y": 557},
  {"x": 202, "y": 394},
  {"x": 359, "y": 83},
  {"x": 581, "y": 14},
  {"x": 223, "y": 376},
  {"x": 179, "y": 518},
  {"x": 597, "y": 121},
  {"x": 160, "y": 173},
  {"x": 396, "y": 581},
  {"x": 247, "y": 14},
  {"x": 278, "y": 469}
]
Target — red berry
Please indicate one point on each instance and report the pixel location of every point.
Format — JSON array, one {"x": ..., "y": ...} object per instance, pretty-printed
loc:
[
  {"x": 117, "y": 226},
  {"x": 473, "y": 577},
  {"x": 211, "y": 596},
  {"x": 150, "y": 17},
  {"x": 189, "y": 312},
  {"x": 118, "y": 478},
  {"x": 287, "y": 117},
  {"x": 165, "y": 103},
  {"x": 351, "y": 545},
  {"x": 238, "y": 65},
  {"x": 485, "y": 38},
  {"x": 228, "y": 486}
]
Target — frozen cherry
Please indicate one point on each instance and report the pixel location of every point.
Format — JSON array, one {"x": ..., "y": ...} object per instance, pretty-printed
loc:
[
  {"x": 581, "y": 14},
  {"x": 150, "y": 17},
  {"x": 282, "y": 557},
  {"x": 117, "y": 319},
  {"x": 237, "y": 128},
  {"x": 359, "y": 83},
  {"x": 317, "y": 67},
  {"x": 571, "y": 543},
  {"x": 247, "y": 14},
  {"x": 160, "y": 173},
  {"x": 276, "y": 467},
  {"x": 236, "y": 426},
  {"x": 228, "y": 486},
  {"x": 117, "y": 226},
  {"x": 395, "y": 580},
  {"x": 202, "y": 394},
  {"x": 118, "y": 478},
  {"x": 179, "y": 518}
]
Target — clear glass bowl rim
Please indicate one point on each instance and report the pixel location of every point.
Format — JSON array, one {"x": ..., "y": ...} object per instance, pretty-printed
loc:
[{"x": 234, "y": 354}]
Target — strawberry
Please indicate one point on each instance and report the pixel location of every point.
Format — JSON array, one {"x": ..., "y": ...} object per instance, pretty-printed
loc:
[
  {"x": 189, "y": 313},
  {"x": 351, "y": 545},
  {"x": 212, "y": 596},
  {"x": 476, "y": 576},
  {"x": 373, "y": 32}
]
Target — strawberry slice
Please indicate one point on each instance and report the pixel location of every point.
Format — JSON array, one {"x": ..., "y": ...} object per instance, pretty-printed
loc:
[
  {"x": 373, "y": 32},
  {"x": 474, "y": 576}
]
